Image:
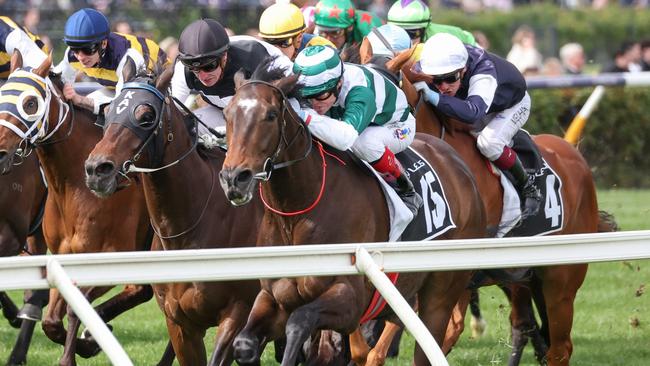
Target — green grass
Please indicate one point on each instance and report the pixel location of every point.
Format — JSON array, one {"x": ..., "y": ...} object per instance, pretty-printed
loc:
[{"x": 602, "y": 331}]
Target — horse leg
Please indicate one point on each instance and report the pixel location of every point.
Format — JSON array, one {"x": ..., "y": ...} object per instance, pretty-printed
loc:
[
  {"x": 168, "y": 356},
  {"x": 439, "y": 294},
  {"x": 18, "y": 355},
  {"x": 359, "y": 348},
  {"x": 329, "y": 311},
  {"x": 477, "y": 323},
  {"x": 188, "y": 344},
  {"x": 377, "y": 355},
  {"x": 233, "y": 321},
  {"x": 9, "y": 310},
  {"x": 265, "y": 322},
  {"x": 72, "y": 346},
  {"x": 561, "y": 283},
  {"x": 53, "y": 322},
  {"x": 522, "y": 320},
  {"x": 456, "y": 323}
]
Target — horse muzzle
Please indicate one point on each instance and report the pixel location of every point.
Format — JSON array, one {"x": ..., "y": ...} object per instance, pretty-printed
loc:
[
  {"x": 238, "y": 185},
  {"x": 101, "y": 176}
]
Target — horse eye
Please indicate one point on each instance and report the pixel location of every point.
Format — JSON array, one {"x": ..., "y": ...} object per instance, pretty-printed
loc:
[
  {"x": 272, "y": 115},
  {"x": 30, "y": 106},
  {"x": 145, "y": 114}
]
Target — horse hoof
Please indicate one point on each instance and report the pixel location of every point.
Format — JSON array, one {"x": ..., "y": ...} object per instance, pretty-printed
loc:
[
  {"x": 31, "y": 312},
  {"x": 245, "y": 351},
  {"x": 87, "y": 346}
]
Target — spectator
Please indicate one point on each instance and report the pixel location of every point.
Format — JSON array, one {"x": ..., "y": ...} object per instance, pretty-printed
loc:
[
  {"x": 32, "y": 18},
  {"x": 524, "y": 54},
  {"x": 481, "y": 40},
  {"x": 633, "y": 54},
  {"x": 123, "y": 27},
  {"x": 573, "y": 58},
  {"x": 645, "y": 55},
  {"x": 552, "y": 67},
  {"x": 624, "y": 58}
]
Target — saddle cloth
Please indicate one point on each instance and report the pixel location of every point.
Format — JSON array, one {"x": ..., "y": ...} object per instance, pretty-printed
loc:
[{"x": 433, "y": 218}]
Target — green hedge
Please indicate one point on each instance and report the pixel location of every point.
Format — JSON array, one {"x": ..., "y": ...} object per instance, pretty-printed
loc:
[
  {"x": 616, "y": 139},
  {"x": 600, "y": 31}
]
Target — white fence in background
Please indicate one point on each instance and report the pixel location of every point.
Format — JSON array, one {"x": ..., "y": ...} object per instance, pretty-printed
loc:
[{"x": 97, "y": 269}]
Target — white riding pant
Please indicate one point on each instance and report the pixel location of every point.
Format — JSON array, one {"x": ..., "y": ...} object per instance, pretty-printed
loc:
[
  {"x": 373, "y": 141},
  {"x": 211, "y": 116},
  {"x": 501, "y": 128}
]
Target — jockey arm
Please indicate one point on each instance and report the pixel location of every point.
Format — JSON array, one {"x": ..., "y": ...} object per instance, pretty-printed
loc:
[
  {"x": 31, "y": 54},
  {"x": 342, "y": 134}
]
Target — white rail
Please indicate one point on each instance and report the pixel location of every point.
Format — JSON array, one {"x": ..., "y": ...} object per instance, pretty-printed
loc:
[{"x": 65, "y": 271}]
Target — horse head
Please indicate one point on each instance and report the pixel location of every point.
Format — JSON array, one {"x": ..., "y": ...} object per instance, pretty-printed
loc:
[
  {"x": 133, "y": 131},
  {"x": 261, "y": 129},
  {"x": 28, "y": 102}
]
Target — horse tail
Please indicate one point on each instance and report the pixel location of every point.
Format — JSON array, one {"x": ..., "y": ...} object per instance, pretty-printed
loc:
[{"x": 606, "y": 222}]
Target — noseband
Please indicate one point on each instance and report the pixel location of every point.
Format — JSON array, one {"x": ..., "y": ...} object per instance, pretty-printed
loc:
[{"x": 269, "y": 164}]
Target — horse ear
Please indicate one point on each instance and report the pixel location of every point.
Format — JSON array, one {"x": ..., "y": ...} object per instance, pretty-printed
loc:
[
  {"x": 397, "y": 63},
  {"x": 16, "y": 61},
  {"x": 365, "y": 51},
  {"x": 129, "y": 70},
  {"x": 162, "y": 83},
  {"x": 240, "y": 78},
  {"x": 287, "y": 84},
  {"x": 44, "y": 69}
]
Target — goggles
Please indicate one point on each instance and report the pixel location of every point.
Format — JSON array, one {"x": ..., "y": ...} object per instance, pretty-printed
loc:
[
  {"x": 323, "y": 96},
  {"x": 449, "y": 78},
  {"x": 415, "y": 33},
  {"x": 197, "y": 66},
  {"x": 86, "y": 50},
  {"x": 280, "y": 42},
  {"x": 332, "y": 33}
]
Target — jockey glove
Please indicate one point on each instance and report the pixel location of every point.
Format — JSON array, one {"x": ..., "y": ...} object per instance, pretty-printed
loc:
[{"x": 429, "y": 95}]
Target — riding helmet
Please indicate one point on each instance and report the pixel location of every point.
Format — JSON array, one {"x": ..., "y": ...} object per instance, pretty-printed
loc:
[
  {"x": 281, "y": 20},
  {"x": 202, "y": 39},
  {"x": 409, "y": 14},
  {"x": 86, "y": 27},
  {"x": 332, "y": 14},
  {"x": 320, "y": 69},
  {"x": 442, "y": 54}
]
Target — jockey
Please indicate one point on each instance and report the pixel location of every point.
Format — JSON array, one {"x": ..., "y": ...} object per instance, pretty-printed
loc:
[
  {"x": 386, "y": 42},
  {"x": 14, "y": 37},
  {"x": 341, "y": 23},
  {"x": 354, "y": 107},
  {"x": 415, "y": 17},
  {"x": 487, "y": 92},
  {"x": 101, "y": 54},
  {"x": 283, "y": 25},
  {"x": 207, "y": 63}
]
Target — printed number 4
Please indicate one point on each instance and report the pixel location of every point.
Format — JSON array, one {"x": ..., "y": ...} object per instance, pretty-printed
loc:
[
  {"x": 435, "y": 216},
  {"x": 552, "y": 208}
]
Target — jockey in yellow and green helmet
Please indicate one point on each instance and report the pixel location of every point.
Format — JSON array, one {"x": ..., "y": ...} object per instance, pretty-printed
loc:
[
  {"x": 341, "y": 23},
  {"x": 282, "y": 25},
  {"x": 415, "y": 17}
]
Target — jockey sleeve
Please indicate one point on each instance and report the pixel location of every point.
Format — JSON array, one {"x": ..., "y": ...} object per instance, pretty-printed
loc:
[
  {"x": 14, "y": 38},
  {"x": 336, "y": 133}
]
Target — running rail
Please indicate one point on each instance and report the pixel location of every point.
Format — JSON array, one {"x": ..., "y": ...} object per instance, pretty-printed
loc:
[
  {"x": 101, "y": 269},
  {"x": 580, "y": 81}
]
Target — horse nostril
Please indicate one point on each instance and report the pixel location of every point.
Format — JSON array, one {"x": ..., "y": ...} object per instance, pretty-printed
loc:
[
  {"x": 105, "y": 168},
  {"x": 244, "y": 176},
  {"x": 3, "y": 155}
]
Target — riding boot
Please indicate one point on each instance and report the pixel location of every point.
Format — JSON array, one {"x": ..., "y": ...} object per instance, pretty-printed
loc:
[
  {"x": 393, "y": 173},
  {"x": 528, "y": 192}
]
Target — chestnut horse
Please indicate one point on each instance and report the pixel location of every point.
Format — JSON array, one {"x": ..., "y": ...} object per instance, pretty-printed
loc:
[
  {"x": 21, "y": 210},
  {"x": 76, "y": 221},
  {"x": 556, "y": 286},
  {"x": 186, "y": 208},
  {"x": 312, "y": 202}
]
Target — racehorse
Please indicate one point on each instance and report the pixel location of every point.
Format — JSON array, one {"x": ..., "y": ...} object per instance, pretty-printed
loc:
[
  {"x": 186, "y": 209},
  {"x": 76, "y": 220},
  {"x": 310, "y": 201},
  {"x": 556, "y": 286},
  {"x": 21, "y": 204}
]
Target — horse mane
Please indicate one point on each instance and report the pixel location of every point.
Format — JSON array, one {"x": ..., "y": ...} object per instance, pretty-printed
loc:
[{"x": 266, "y": 72}]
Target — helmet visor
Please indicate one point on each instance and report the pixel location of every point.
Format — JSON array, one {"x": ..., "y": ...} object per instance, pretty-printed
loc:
[
  {"x": 206, "y": 64},
  {"x": 280, "y": 42},
  {"x": 87, "y": 50}
]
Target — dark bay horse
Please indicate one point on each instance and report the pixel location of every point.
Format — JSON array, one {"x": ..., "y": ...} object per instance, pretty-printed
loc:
[
  {"x": 556, "y": 286},
  {"x": 21, "y": 203},
  {"x": 320, "y": 197},
  {"x": 76, "y": 220},
  {"x": 186, "y": 207}
]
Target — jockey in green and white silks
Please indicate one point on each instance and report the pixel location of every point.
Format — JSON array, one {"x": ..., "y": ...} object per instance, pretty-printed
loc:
[
  {"x": 415, "y": 17},
  {"x": 356, "y": 108}
]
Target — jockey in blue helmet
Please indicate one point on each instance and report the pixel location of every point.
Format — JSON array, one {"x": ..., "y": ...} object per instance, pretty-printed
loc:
[{"x": 101, "y": 55}]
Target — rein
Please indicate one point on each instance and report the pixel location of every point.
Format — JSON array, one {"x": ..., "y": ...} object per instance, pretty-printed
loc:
[{"x": 269, "y": 164}]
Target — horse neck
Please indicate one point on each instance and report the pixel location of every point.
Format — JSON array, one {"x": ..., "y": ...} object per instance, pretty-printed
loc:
[
  {"x": 296, "y": 186},
  {"x": 62, "y": 155},
  {"x": 177, "y": 196}
]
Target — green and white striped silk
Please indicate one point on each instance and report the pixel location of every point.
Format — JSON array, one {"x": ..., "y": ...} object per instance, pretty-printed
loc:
[{"x": 320, "y": 68}]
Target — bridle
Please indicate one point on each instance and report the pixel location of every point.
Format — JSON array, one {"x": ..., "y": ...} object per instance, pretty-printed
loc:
[{"x": 270, "y": 164}]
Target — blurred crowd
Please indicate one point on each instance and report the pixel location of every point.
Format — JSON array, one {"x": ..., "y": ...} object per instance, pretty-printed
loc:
[{"x": 630, "y": 56}]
